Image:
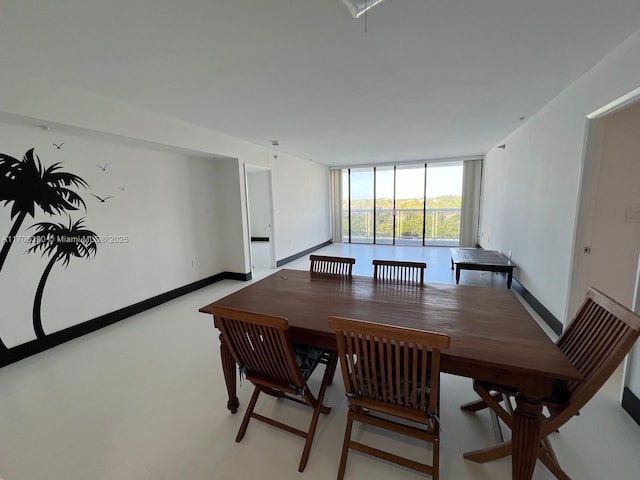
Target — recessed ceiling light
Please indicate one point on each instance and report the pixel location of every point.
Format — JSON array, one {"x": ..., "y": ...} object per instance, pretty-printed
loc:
[{"x": 275, "y": 143}]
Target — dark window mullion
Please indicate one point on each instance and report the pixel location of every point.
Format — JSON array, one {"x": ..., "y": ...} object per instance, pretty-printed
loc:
[
  {"x": 394, "y": 206},
  {"x": 375, "y": 179},
  {"x": 424, "y": 207},
  {"x": 349, "y": 202}
]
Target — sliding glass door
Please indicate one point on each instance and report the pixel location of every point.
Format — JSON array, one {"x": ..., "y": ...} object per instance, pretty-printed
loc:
[{"x": 403, "y": 205}]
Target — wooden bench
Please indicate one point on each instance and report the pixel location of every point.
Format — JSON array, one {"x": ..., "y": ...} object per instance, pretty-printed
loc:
[{"x": 479, "y": 259}]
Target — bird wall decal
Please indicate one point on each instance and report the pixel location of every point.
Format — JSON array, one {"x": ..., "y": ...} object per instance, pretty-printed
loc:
[
  {"x": 103, "y": 168},
  {"x": 102, "y": 200},
  {"x": 58, "y": 145}
]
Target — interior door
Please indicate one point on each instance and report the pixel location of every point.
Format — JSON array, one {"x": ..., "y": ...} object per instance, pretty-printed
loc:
[{"x": 260, "y": 221}]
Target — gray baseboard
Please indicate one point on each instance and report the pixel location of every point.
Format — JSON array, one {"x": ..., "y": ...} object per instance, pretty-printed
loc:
[
  {"x": 631, "y": 404},
  {"x": 279, "y": 263},
  {"x": 539, "y": 308}
]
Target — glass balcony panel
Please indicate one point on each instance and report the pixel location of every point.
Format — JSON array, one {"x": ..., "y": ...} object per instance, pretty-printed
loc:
[
  {"x": 384, "y": 226},
  {"x": 361, "y": 226},
  {"x": 442, "y": 227},
  {"x": 362, "y": 205},
  {"x": 384, "y": 205},
  {"x": 409, "y": 226}
]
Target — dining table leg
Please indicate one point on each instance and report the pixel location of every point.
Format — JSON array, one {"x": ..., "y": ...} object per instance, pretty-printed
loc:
[
  {"x": 525, "y": 436},
  {"x": 229, "y": 371},
  {"x": 524, "y": 443}
]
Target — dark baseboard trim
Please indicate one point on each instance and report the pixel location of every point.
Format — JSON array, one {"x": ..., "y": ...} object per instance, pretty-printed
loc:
[
  {"x": 259, "y": 239},
  {"x": 546, "y": 315},
  {"x": 20, "y": 352},
  {"x": 540, "y": 309},
  {"x": 279, "y": 263},
  {"x": 631, "y": 404},
  {"x": 236, "y": 276}
]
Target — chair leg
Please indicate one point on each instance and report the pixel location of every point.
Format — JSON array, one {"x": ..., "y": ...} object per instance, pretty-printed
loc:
[
  {"x": 490, "y": 454},
  {"x": 497, "y": 430},
  {"x": 333, "y": 371},
  {"x": 435, "y": 461},
  {"x": 546, "y": 444},
  {"x": 345, "y": 446},
  {"x": 318, "y": 408},
  {"x": 478, "y": 405},
  {"x": 248, "y": 413},
  {"x": 492, "y": 400},
  {"x": 548, "y": 457}
]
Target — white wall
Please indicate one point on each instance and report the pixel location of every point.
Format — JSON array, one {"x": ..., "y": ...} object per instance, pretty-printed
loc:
[
  {"x": 531, "y": 188},
  {"x": 185, "y": 209},
  {"x": 302, "y": 205},
  {"x": 153, "y": 236},
  {"x": 230, "y": 217}
]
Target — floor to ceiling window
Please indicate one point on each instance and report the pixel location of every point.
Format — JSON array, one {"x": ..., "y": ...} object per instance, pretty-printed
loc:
[
  {"x": 385, "y": 205},
  {"x": 410, "y": 213},
  {"x": 403, "y": 205},
  {"x": 361, "y": 211}
]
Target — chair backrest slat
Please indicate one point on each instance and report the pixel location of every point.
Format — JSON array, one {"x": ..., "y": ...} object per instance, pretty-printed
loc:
[
  {"x": 392, "y": 270},
  {"x": 327, "y": 265},
  {"x": 396, "y": 367},
  {"x": 595, "y": 342},
  {"x": 261, "y": 345}
]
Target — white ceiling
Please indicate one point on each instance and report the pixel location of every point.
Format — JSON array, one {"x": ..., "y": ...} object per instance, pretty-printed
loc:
[{"x": 428, "y": 79}]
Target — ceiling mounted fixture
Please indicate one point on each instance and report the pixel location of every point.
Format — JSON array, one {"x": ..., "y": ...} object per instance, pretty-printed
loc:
[{"x": 360, "y": 7}]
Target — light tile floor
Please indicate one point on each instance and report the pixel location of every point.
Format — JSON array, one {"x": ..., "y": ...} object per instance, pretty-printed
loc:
[{"x": 145, "y": 399}]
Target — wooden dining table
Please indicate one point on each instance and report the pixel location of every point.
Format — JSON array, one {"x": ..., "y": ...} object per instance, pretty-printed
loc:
[{"x": 493, "y": 337}]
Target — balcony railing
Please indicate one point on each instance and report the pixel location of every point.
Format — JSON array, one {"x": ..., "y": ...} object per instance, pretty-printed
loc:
[{"x": 442, "y": 226}]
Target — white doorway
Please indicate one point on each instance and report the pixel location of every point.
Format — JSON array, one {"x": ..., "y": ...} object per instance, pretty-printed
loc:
[
  {"x": 607, "y": 240},
  {"x": 260, "y": 218}
]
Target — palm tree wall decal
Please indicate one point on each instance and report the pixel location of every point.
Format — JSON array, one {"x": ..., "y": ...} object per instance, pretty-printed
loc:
[
  {"x": 8, "y": 167},
  {"x": 60, "y": 242},
  {"x": 27, "y": 184}
]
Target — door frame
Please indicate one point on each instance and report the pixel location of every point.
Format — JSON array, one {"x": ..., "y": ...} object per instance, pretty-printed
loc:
[
  {"x": 587, "y": 193},
  {"x": 587, "y": 197}
]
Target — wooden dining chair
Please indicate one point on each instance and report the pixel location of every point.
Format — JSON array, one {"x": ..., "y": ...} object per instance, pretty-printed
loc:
[
  {"x": 595, "y": 341},
  {"x": 325, "y": 265},
  {"x": 399, "y": 271},
  {"x": 261, "y": 346},
  {"x": 389, "y": 372}
]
